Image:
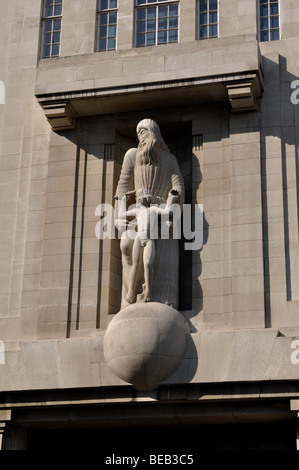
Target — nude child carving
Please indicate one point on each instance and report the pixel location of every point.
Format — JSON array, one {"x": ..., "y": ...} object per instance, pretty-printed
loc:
[{"x": 142, "y": 242}]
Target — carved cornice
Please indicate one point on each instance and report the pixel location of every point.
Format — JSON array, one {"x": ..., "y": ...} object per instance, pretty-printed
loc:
[
  {"x": 242, "y": 90},
  {"x": 175, "y": 75}
]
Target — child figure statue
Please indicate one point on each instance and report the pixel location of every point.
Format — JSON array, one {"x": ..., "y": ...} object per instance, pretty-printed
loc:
[{"x": 143, "y": 212}]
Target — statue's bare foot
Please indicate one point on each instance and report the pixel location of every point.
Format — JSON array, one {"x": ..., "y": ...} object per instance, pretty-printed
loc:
[
  {"x": 130, "y": 298},
  {"x": 147, "y": 297}
]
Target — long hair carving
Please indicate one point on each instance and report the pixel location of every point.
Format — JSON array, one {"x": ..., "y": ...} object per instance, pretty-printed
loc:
[{"x": 150, "y": 152}]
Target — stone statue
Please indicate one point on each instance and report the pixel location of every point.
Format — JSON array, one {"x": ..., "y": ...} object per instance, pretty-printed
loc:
[
  {"x": 151, "y": 173},
  {"x": 146, "y": 341},
  {"x": 143, "y": 241}
]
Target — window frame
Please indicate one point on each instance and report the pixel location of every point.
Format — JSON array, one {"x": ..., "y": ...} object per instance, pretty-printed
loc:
[
  {"x": 47, "y": 19},
  {"x": 101, "y": 12},
  {"x": 269, "y": 16},
  {"x": 155, "y": 4},
  {"x": 208, "y": 24}
]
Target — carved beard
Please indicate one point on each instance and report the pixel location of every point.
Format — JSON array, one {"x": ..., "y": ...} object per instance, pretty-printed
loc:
[{"x": 148, "y": 152}]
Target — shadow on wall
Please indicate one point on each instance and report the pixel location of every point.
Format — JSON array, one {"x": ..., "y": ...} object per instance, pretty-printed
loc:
[{"x": 279, "y": 116}]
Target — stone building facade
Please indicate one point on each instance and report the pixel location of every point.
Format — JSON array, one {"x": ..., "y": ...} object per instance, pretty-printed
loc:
[{"x": 221, "y": 79}]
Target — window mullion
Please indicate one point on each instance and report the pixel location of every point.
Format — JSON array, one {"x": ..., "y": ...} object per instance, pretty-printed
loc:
[{"x": 157, "y": 25}]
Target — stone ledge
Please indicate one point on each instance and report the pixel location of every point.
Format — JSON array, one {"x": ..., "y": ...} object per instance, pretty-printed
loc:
[
  {"x": 242, "y": 90},
  {"x": 214, "y": 358},
  {"x": 173, "y": 75}
]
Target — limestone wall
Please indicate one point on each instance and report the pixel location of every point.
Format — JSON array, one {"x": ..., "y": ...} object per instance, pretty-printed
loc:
[{"x": 57, "y": 280}]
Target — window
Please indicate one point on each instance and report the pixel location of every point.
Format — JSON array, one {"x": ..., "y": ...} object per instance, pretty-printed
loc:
[
  {"x": 207, "y": 14},
  {"x": 269, "y": 20},
  {"x": 157, "y": 22},
  {"x": 51, "y": 28},
  {"x": 107, "y": 25}
]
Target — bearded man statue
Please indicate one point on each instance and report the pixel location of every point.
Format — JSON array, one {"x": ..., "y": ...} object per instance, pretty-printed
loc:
[{"x": 152, "y": 167}]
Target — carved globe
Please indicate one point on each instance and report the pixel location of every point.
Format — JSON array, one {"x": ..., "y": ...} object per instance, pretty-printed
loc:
[{"x": 145, "y": 343}]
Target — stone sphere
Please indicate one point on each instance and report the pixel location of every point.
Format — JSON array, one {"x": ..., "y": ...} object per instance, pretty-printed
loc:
[{"x": 145, "y": 343}]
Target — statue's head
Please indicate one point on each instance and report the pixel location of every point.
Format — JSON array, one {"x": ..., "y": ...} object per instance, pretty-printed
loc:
[
  {"x": 150, "y": 141},
  {"x": 149, "y": 129},
  {"x": 144, "y": 196}
]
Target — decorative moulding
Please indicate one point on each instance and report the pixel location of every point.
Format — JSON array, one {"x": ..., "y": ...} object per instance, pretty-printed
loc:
[{"x": 241, "y": 90}]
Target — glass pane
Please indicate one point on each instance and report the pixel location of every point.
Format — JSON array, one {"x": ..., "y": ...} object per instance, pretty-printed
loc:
[
  {"x": 55, "y": 50},
  {"x": 203, "y": 5},
  {"x": 57, "y": 25},
  {"x": 274, "y": 9},
  {"x": 264, "y": 36},
  {"x": 103, "y": 44},
  {"x": 173, "y": 22},
  {"x": 113, "y": 3},
  {"x": 104, "y": 4},
  {"x": 213, "y": 17},
  {"x": 112, "y": 30},
  {"x": 58, "y": 10},
  {"x": 56, "y": 37},
  {"x": 141, "y": 14},
  {"x": 162, "y": 23},
  {"x": 150, "y": 38},
  {"x": 104, "y": 18},
  {"x": 213, "y": 30},
  {"x": 111, "y": 43},
  {"x": 151, "y": 25},
  {"x": 103, "y": 31},
  {"x": 113, "y": 18},
  {"x": 162, "y": 37},
  {"x": 141, "y": 2},
  {"x": 274, "y": 35},
  {"x": 274, "y": 22},
  {"x": 48, "y": 38},
  {"x": 173, "y": 10},
  {"x": 49, "y": 11},
  {"x": 264, "y": 23},
  {"x": 163, "y": 11},
  {"x": 140, "y": 39},
  {"x": 48, "y": 26},
  {"x": 263, "y": 10},
  {"x": 213, "y": 4},
  {"x": 141, "y": 27},
  {"x": 203, "y": 18},
  {"x": 173, "y": 35},
  {"x": 47, "y": 51},
  {"x": 151, "y": 13},
  {"x": 48, "y": 2},
  {"x": 203, "y": 32},
  {"x": 263, "y": 1}
]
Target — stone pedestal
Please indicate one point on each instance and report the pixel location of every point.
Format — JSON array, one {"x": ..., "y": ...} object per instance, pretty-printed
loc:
[{"x": 145, "y": 343}]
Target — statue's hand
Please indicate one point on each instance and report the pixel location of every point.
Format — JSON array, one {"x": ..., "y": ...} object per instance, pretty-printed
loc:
[
  {"x": 121, "y": 224},
  {"x": 129, "y": 193}
]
